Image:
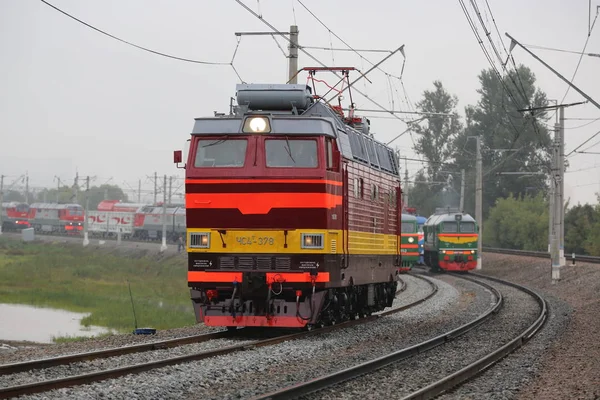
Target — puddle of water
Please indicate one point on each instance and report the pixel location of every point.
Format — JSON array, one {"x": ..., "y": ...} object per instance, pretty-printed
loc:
[{"x": 21, "y": 322}]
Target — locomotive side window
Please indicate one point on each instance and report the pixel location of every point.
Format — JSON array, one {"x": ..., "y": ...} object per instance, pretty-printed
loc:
[
  {"x": 375, "y": 193},
  {"x": 291, "y": 153},
  {"x": 408, "y": 227},
  {"x": 329, "y": 153},
  {"x": 467, "y": 227},
  {"x": 450, "y": 227},
  {"x": 372, "y": 153},
  {"x": 220, "y": 153}
]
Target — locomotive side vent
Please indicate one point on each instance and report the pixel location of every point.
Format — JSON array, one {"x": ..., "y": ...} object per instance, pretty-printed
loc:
[
  {"x": 333, "y": 246},
  {"x": 246, "y": 262},
  {"x": 283, "y": 263},
  {"x": 226, "y": 262}
]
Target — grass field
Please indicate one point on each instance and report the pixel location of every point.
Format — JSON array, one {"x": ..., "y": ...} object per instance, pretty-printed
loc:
[{"x": 95, "y": 281}]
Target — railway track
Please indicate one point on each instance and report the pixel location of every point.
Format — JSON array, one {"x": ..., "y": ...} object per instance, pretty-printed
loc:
[
  {"x": 43, "y": 386},
  {"x": 541, "y": 254},
  {"x": 441, "y": 385}
]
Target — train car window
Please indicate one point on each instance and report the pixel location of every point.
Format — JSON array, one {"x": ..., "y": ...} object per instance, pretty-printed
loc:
[
  {"x": 357, "y": 146},
  {"x": 467, "y": 227},
  {"x": 356, "y": 192},
  {"x": 361, "y": 186},
  {"x": 291, "y": 153},
  {"x": 394, "y": 161},
  {"x": 375, "y": 193},
  {"x": 450, "y": 227},
  {"x": 420, "y": 228},
  {"x": 372, "y": 153},
  {"x": 384, "y": 160},
  {"x": 408, "y": 227},
  {"x": 329, "y": 153},
  {"x": 221, "y": 153}
]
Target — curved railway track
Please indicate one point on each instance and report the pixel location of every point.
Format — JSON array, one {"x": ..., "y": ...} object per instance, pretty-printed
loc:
[
  {"x": 541, "y": 254},
  {"x": 82, "y": 379},
  {"x": 443, "y": 384}
]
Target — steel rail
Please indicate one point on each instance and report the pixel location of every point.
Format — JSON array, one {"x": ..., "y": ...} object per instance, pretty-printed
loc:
[
  {"x": 332, "y": 379},
  {"x": 13, "y": 368},
  {"x": 44, "y": 386},
  {"x": 539, "y": 254},
  {"x": 477, "y": 367}
]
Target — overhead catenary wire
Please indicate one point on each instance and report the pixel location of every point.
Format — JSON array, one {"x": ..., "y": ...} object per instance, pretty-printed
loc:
[
  {"x": 133, "y": 44},
  {"x": 241, "y": 3}
]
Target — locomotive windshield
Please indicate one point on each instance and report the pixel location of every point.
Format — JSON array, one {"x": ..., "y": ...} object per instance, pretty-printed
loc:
[
  {"x": 408, "y": 227},
  {"x": 467, "y": 227},
  {"x": 451, "y": 227},
  {"x": 22, "y": 207},
  {"x": 221, "y": 153},
  {"x": 291, "y": 153}
]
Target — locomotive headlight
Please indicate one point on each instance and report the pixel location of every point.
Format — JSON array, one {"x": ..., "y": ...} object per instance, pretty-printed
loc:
[
  {"x": 472, "y": 251},
  {"x": 312, "y": 241},
  {"x": 199, "y": 240},
  {"x": 257, "y": 125},
  {"x": 443, "y": 251},
  {"x": 411, "y": 239}
]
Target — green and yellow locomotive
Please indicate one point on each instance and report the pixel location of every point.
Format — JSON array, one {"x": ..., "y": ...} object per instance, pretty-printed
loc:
[
  {"x": 450, "y": 241},
  {"x": 409, "y": 243}
]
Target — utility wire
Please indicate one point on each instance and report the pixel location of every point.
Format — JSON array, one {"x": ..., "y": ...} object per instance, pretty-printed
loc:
[
  {"x": 133, "y": 44},
  {"x": 241, "y": 3},
  {"x": 533, "y": 46},
  {"x": 576, "y": 148}
]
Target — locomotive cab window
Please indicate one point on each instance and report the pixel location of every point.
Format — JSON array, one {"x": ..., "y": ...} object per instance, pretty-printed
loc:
[
  {"x": 220, "y": 153},
  {"x": 408, "y": 227},
  {"x": 450, "y": 227},
  {"x": 467, "y": 227},
  {"x": 291, "y": 153}
]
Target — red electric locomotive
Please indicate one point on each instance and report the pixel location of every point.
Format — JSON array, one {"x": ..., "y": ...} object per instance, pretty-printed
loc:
[
  {"x": 292, "y": 212},
  {"x": 56, "y": 218},
  {"x": 15, "y": 216}
]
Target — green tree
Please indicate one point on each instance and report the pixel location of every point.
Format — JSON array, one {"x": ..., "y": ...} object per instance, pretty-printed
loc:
[
  {"x": 63, "y": 195},
  {"x": 496, "y": 120},
  {"x": 102, "y": 192},
  {"x": 435, "y": 138},
  {"x": 518, "y": 223},
  {"x": 579, "y": 223},
  {"x": 13, "y": 195},
  {"x": 592, "y": 243}
]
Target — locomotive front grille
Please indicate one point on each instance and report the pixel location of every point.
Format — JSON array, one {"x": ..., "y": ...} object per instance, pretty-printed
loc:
[
  {"x": 245, "y": 262},
  {"x": 255, "y": 263},
  {"x": 226, "y": 262}
]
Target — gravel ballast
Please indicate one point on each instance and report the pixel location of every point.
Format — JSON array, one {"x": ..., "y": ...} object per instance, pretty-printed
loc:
[
  {"x": 242, "y": 375},
  {"x": 403, "y": 378}
]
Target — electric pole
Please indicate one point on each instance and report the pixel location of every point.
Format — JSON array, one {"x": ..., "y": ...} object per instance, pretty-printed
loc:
[
  {"x": 1, "y": 199},
  {"x": 405, "y": 192},
  {"x": 86, "y": 241},
  {"x": 139, "y": 191},
  {"x": 170, "y": 188},
  {"x": 561, "y": 171},
  {"x": 479, "y": 200},
  {"x": 556, "y": 206},
  {"x": 27, "y": 187},
  {"x": 462, "y": 191},
  {"x": 57, "y": 189},
  {"x": 163, "y": 246},
  {"x": 293, "y": 69},
  {"x": 155, "y": 186},
  {"x": 75, "y": 187}
]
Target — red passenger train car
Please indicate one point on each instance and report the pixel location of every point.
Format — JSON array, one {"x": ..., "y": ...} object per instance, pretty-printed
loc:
[{"x": 292, "y": 213}]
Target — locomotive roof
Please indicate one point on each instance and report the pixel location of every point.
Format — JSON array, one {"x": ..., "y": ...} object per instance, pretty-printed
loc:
[
  {"x": 448, "y": 216},
  {"x": 408, "y": 218},
  {"x": 55, "y": 206},
  {"x": 292, "y": 111},
  {"x": 13, "y": 204}
]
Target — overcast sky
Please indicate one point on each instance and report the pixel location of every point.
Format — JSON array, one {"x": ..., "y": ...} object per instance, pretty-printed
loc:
[{"x": 76, "y": 100}]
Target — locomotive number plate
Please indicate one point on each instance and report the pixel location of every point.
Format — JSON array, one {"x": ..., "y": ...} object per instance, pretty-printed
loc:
[{"x": 255, "y": 240}]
